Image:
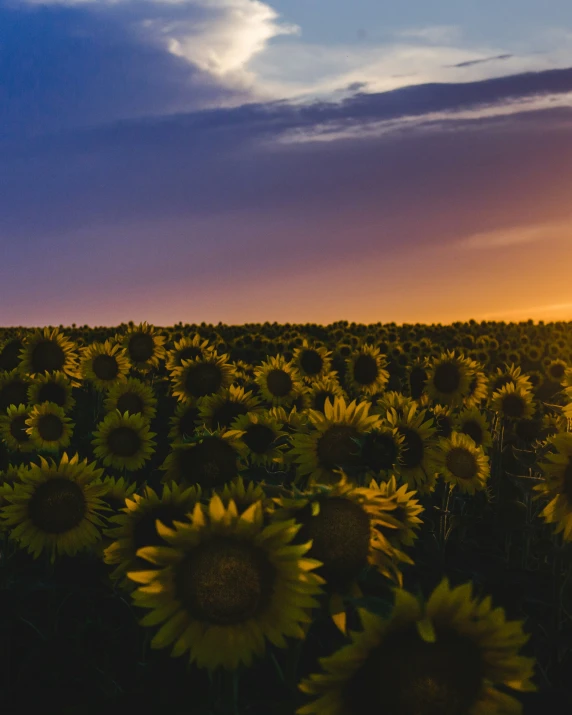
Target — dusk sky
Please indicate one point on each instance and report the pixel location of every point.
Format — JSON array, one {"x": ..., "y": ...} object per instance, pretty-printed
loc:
[{"x": 292, "y": 161}]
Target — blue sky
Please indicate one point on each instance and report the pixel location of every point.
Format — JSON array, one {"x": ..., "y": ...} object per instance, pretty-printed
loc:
[{"x": 208, "y": 149}]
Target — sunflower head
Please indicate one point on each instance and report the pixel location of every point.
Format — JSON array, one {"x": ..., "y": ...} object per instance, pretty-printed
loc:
[
  {"x": 48, "y": 427},
  {"x": 46, "y": 351},
  {"x": 123, "y": 441},
  {"x": 144, "y": 346},
  {"x": 462, "y": 463}
]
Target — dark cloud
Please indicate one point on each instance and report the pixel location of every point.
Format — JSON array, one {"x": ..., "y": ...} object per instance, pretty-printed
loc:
[{"x": 470, "y": 63}]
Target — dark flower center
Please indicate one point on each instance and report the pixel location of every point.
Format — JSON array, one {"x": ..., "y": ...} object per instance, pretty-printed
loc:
[
  {"x": 404, "y": 675},
  {"x": 210, "y": 463},
  {"x": 444, "y": 426},
  {"x": 365, "y": 369},
  {"x": 311, "y": 362},
  {"x": 52, "y": 392},
  {"x": 461, "y": 463},
  {"x": 226, "y": 582},
  {"x": 50, "y": 427},
  {"x": 130, "y": 402},
  {"x": 417, "y": 380},
  {"x": 319, "y": 399},
  {"x": 447, "y": 377},
  {"x": 15, "y": 393},
  {"x": 105, "y": 367},
  {"x": 557, "y": 370},
  {"x": 141, "y": 347},
  {"x": 513, "y": 405},
  {"x": 336, "y": 449},
  {"x": 474, "y": 430},
  {"x": 57, "y": 506},
  {"x": 202, "y": 379},
  {"x": 10, "y": 355},
  {"x": 123, "y": 441},
  {"x": 47, "y": 356},
  {"x": 413, "y": 447},
  {"x": 380, "y": 451},
  {"x": 18, "y": 428},
  {"x": 279, "y": 383},
  {"x": 258, "y": 438}
]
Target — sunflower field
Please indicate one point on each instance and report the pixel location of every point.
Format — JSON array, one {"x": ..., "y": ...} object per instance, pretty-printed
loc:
[{"x": 286, "y": 519}]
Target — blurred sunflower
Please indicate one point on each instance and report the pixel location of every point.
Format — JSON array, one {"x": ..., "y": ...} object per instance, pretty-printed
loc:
[
  {"x": 187, "y": 349},
  {"x": 48, "y": 427},
  {"x": 417, "y": 459},
  {"x": 133, "y": 396},
  {"x": 312, "y": 361},
  {"x": 556, "y": 370},
  {"x": 406, "y": 513},
  {"x": 474, "y": 423},
  {"x": 331, "y": 444},
  {"x": 445, "y": 656},
  {"x": 53, "y": 387},
  {"x": 557, "y": 484},
  {"x": 221, "y": 410},
  {"x": 259, "y": 432},
  {"x": 104, "y": 364},
  {"x": 322, "y": 389},
  {"x": 448, "y": 379},
  {"x": 513, "y": 402},
  {"x": 209, "y": 459},
  {"x": 136, "y": 527},
  {"x": 202, "y": 376},
  {"x": 226, "y": 585},
  {"x": 123, "y": 441},
  {"x": 13, "y": 389},
  {"x": 365, "y": 370},
  {"x": 461, "y": 463},
  {"x": 13, "y": 429},
  {"x": 279, "y": 381},
  {"x": 144, "y": 346},
  {"x": 48, "y": 351},
  {"x": 54, "y": 507}
]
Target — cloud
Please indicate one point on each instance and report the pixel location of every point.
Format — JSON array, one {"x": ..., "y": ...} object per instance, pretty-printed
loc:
[
  {"x": 470, "y": 63},
  {"x": 519, "y": 235},
  {"x": 439, "y": 34}
]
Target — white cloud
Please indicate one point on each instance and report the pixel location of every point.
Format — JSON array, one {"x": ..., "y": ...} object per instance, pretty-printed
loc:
[
  {"x": 435, "y": 33},
  {"x": 518, "y": 235}
]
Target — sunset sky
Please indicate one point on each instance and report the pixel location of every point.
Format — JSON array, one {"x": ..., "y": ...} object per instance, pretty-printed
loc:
[{"x": 292, "y": 161}]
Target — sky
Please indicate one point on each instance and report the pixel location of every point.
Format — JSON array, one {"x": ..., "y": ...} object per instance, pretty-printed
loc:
[{"x": 293, "y": 161}]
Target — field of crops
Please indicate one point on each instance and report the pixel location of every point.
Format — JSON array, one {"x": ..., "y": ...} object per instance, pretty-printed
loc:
[{"x": 274, "y": 519}]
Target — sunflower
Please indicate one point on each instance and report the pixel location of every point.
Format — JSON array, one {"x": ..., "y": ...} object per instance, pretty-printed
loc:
[
  {"x": 443, "y": 416},
  {"x": 245, "y": 495},
  {"x": 478, "y": 383},
  {"x": 393, "y": 400},
  {"x": 135, "y": 527},
  {"x": 144, "y": 346},
  {"x": 260, "y": 432},
  {"x": 210, "y": 459},
  {"x": 10, "y": 353},
  {"x": 104, "y": 364},
  {"x": 184, "y": 421},
  {"x": 461, "y": 463},
  {"x": 556, "y": 370},
  {"x": 133, "y": 396},
  {"x": 292, "y": 421},
  {"x": 123, "y": 441},
  {"x": 511, "y": 374},
  {"x": 54, "y": 507},
  {"x": 417, "y": 378},
  {"x": 557, "y": 484},
  {"x": 380, "y": 450},
  {"x": 13, "y": 389},
  {"x": 319, "y": 390},
  {"x": 417, "y": 460},
  {"x": 279, "y": 381},
  {"x": 513, "y": 402},
  {"x": 48, "y": 427},
  {"x": 331, "y": 444},
  {"x": 53, "y": 387},
  {"x": 221, "y": 410},
  {"x": 311, "y": 361},
  {"x": 47, "y": 351},
  {"x": 203, "y": 376},
  {"x": 226, "y": 585},
  {"x": 406, "y": 512},
  {"x": 474, "y": 423},
  {"x": 13, "y": 429},
  {"x": 365, "y": 370},
  {"x": 187, "y": 349},
  {"x": 448, "y": 379},
  {"x": 445, "y": 656},
  {"x": 117, "y": 491}
]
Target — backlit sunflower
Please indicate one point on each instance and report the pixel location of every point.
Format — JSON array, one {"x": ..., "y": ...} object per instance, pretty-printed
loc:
[
  {"x": 418, "y": 455},
  {"x": 144, "y": 346},
  {"x": 104, "y": 364},
  {"x": 210, "y": 459},
  {"x": 320, "y": 390},
  {"x": 461, "y": 463},
  {"x": 13, "y": 389},
  {"x": 406, "y": 512},
  {"x": 54, "y": 507},
  {"x": 513, "y": 402},
  {"x": 221, "y": 410},
  {"x": 448, "y": 379},
  {"x": 311, "y": 361},
  {"x": 380, "y": 451},
  {"x": 365, "y": 370},
  {"x": 53, "y": 387},
  {"x": 13, "y": 429},
  {"x": 445, "y": 656},
  {"x": 133, "y": 396},
  {"x": 279, "y": 381},
  {"x": 226, "y": 585},
  {"x": 187, "y": 349},
  {"x": 48, "y": 351},
  {"x": 330, "y": 444},
  {"x": 557, "y": 485},
  {"x": 123, "y": 441},
  {"x": 473, "y": 422},
  {"x": 259, "y": 432},
  {"x": 135, "y": 527},
  {"x": 48, "y": 427},
  {"x": 203, "y": 376}
]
